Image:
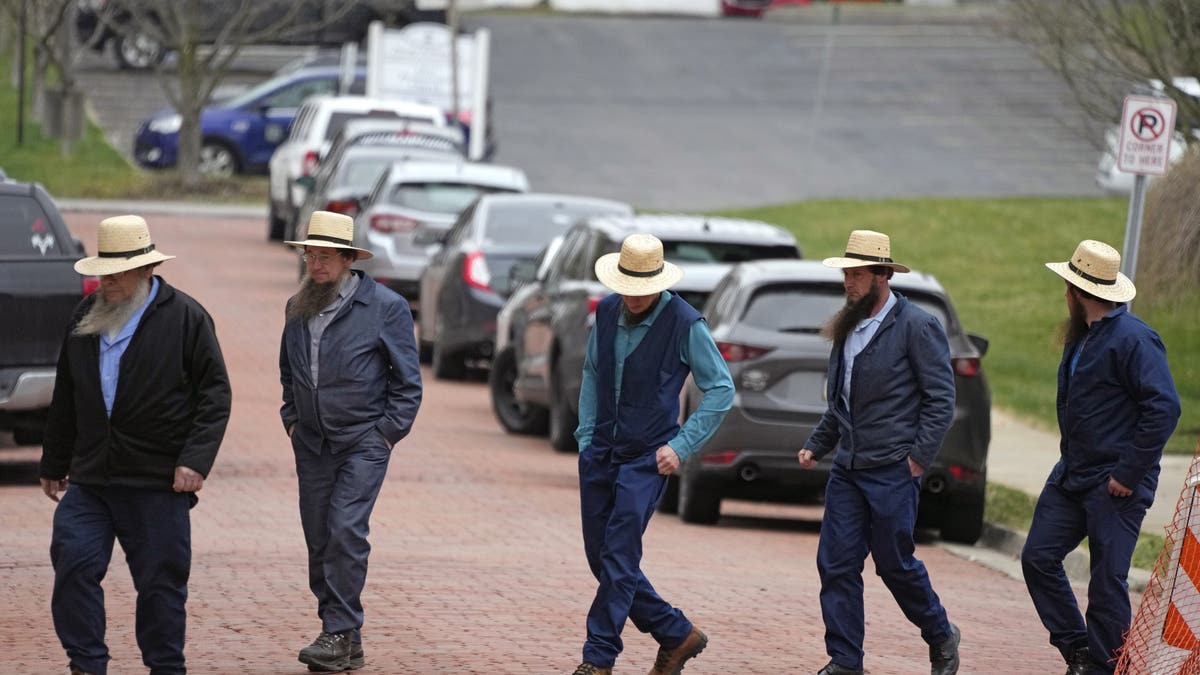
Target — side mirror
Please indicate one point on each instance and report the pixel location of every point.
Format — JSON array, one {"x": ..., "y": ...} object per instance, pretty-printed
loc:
[{"x": 980, "y": 342}]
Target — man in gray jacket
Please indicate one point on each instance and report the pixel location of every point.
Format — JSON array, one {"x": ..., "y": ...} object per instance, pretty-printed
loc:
[
  {"x": 350, "y": 339},
  {"x": 891, "y": 400}
]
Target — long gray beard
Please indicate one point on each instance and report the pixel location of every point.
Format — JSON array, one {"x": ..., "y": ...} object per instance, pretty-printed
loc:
[
  {"x": 108, "y": 318},
  {"x": 849, "y": 316},
  {"x": 312, "y": 298}
]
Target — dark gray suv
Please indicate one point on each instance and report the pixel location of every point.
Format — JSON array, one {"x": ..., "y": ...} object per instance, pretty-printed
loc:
[{"x": 766, "y": 318}]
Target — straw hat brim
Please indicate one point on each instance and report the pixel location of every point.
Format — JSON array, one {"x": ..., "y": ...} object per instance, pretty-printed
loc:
[
  {"x": 97, "y": 266},
  {"x": 1122, "y": 291},
  {"x": 843, "y": 263},
  {"x": 610, "y": 275},
  {"x": 363, "y": 253}
]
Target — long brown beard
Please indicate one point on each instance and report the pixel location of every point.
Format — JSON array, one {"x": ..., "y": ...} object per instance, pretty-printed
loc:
[
  {"x": 1074, "y": 327},
  {"x": 849, "y": 316},
  {"x": 108, "y": 318},
  {"x": 312, "y": 298}
]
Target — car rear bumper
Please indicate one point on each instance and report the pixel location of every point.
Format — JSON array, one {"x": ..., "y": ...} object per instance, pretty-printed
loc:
[
  {"x": 473, "y": 331},
  {"x": 26, "y": 389}
]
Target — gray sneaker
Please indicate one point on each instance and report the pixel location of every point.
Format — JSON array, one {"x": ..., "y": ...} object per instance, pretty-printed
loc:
[{"x": 332, "y": 653}]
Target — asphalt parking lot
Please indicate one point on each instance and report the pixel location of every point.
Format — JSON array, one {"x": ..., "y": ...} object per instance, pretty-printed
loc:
[{"x": 477, "y": 563}]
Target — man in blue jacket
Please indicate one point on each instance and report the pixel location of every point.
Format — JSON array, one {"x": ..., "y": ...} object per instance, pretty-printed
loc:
[
  {"x": 1117, "y": 407},
  {"x": 351, "y": 389},
  {"x": 891, "y": 400},
  {"x": 645, "y": 342}
]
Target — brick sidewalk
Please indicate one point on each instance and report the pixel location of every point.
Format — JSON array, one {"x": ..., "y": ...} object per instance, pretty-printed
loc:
[{"x": 477, "y": 564}]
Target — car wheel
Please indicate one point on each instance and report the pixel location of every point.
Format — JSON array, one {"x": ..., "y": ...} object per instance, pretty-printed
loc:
[
  {"x": 217, "y": 160},
  {"x": 695, "y": 504},
  {"x": 962, "y": 522},
  {"x": 514, "y": 416},
  {"x": 447, "y": 365},
  {"x": 275, "y": 224},
  {"x": 27, "y": 436},
  {"x": 563, "y": 422},
  {"x": 425, "y": 352},
  {"x": 137, "y": 51},
  {"x": 670, "y": 499}
]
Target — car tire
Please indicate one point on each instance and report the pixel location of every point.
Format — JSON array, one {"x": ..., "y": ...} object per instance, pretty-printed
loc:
[
  {"x": 27, "y": 436},
  {"x": 696, "y": 505},
  {"x": 447, "y": 365},
  {"x": 563, "y": 422},
  {"x": 670, "y": 499},
  {"x": 137, "y": 51},
  {"x": 514, "y": 416},
  {"x": 424, "y": 352},
  {"x": 962, "y": 522},
  {"x": 275, "y": 224},
  {"x": 218, "y": 160}
]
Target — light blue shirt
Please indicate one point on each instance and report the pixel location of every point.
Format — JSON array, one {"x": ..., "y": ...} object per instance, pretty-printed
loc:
[
  {"x": 112, "y": 349},
  {"x": 858, "y": 340},
  {"x": 709, "y": 371}
]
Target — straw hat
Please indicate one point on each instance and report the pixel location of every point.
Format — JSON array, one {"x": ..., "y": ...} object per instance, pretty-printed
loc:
[
  {"x": 639, "y": 269},
  {"x": 123, "y": 244},
  {"x": 1096, "y": 268},
  {"x": 331, "y": 230},
  {"x": 864, "y": 249}
]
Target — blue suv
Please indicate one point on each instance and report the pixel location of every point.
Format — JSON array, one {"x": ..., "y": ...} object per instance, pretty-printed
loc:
[{"x": 240, "y": 133}]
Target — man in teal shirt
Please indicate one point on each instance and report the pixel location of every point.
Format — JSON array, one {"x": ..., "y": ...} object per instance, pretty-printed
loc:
[{"x": 645, "y": 343}]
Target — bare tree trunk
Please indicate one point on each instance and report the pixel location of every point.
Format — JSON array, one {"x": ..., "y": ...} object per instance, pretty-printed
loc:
[
  {"x": 40, "y": 64},
  {"x": 189, "y": 72}
]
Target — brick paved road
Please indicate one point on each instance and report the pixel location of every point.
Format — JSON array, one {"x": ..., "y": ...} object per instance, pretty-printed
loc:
[{"x": 477, "y": 564}]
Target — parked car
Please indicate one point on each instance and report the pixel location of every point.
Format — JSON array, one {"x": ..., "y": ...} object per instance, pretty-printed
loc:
[
  {"x": 766, "y": 317},
  {"x": 466, "y": 281},
  {"x": 746, "y": 8},
  {"x": 39, "y": 290},
  {"x": 317, "y": 123},
  {"x": 551, "y": 325},
  {"x": 359, "y": 156},
  {"x": 140, "y": 44},
  {"x": 239, "y": 135},
  {"x": 410, "y": 209}
]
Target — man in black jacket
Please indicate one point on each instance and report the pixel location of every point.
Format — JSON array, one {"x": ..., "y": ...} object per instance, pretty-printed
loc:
[{"x": 141, "y": 401}]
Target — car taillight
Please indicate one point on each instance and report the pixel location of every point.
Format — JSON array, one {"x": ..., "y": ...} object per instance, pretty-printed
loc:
[
  {"x": 475, "y": 271},
  {"x": 391, "y": 224},
  {"x": 726, "y": 457},
  {"x": 966, "y": 367},
  {"x": 309, "y": 165},
  {"x": 464, "y": 117},
  {"x": 346, "y": 206},
  {"x": 963, "y": 474},
  {"x": 733, "y": 352},
  {"x": 593, "y": 303},
  {"x": 90, "y": 284}
]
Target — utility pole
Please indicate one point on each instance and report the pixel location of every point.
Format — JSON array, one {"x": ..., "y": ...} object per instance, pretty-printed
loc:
[
  {"x": 452, "y": 19},
  {"x": 23, "y": 28}
]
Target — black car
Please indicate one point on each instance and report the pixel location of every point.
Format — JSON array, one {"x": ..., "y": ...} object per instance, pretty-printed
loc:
[
  {"x": 554, "y": 319},
  {"x": 40, "y": 288},
  {"x": 466, "y": 282},
  {"x": 140, "y": 39},
  {"x": 766, "y": 318}
]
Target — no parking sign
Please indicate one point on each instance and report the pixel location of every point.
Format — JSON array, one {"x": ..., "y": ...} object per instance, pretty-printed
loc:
[{"x": 1147, "y": 125}]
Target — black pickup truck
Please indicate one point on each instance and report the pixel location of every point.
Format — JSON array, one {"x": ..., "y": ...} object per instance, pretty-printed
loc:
[{"x": 39, "y": 290}]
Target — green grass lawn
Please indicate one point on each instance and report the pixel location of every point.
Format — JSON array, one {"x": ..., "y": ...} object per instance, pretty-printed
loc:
[{"x": 989, "y": 255}]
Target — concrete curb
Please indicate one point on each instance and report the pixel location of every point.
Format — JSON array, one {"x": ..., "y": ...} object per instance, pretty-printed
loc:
[
  {"x": 1000, "y": 549},
  {"x": 167, "y": 208}
]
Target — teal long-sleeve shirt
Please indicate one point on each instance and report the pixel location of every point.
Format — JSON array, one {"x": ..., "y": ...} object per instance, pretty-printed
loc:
[{"x": 698, "y": 351}]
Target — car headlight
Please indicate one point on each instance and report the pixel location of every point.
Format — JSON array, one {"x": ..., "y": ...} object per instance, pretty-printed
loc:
[{"x": 166, "y": 125}]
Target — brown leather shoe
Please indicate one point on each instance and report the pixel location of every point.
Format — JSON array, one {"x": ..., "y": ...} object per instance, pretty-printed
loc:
[
  {"x": 670, "y": 661},
  {"x": 586, "y": 668}
]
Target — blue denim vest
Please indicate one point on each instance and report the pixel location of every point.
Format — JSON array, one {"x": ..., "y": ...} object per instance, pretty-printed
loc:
[{"x": 647, "y": 414}]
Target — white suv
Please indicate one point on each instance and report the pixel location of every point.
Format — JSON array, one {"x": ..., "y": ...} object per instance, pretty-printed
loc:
[{"x": 317, "y": 122}]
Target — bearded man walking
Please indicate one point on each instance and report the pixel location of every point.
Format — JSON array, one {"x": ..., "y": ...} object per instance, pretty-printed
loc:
[
  {"x": 891, "y": 400},
  {"x": 141, "y": 401},
  {"x": 350, "y": 339}
]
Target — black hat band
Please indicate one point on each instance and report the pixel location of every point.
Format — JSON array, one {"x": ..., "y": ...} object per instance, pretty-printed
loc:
[
  {"x": 125, "y": 254},
  {"x": 1094, "y": 280},
  {"x": 632, "y": 273}
]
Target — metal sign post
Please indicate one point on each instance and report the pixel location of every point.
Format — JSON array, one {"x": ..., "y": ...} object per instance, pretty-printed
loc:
[{"x": 1147, "y": 125}]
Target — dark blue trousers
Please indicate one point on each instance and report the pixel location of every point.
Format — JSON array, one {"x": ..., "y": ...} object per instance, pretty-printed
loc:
[
  {"x": 616, "y": 502},
  {"x": 872, "y": 510},
  {"x": 154, "y": 529},
  {"x": 337, "y": 495},
  {"x": 1061, "y": 520}
]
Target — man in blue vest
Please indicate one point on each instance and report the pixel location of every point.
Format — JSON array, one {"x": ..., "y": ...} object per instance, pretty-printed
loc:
[
  {"x": 645, "y": 342},
  {"x": 891, "y": 400},
  {"x": 1117, "y": 407}
]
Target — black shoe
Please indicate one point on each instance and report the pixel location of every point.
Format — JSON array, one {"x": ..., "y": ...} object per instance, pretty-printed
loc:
[
  {"x": 333, "y": 652},
  {"x": 1079, "y": 662},
  {"x": 832, "y": 668},
  {"x": 943, "y": 658}
]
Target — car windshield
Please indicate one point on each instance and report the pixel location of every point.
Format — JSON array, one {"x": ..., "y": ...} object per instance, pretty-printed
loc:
[
  {"x": 437, "y": 197},
  {"x": 722, "y": 252},
  {"x": 361, "y": 170},
  {"x": 800, "y": 308},
  {"x": 513, "y": 223},
  {"x": 24, "y": 229}
]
